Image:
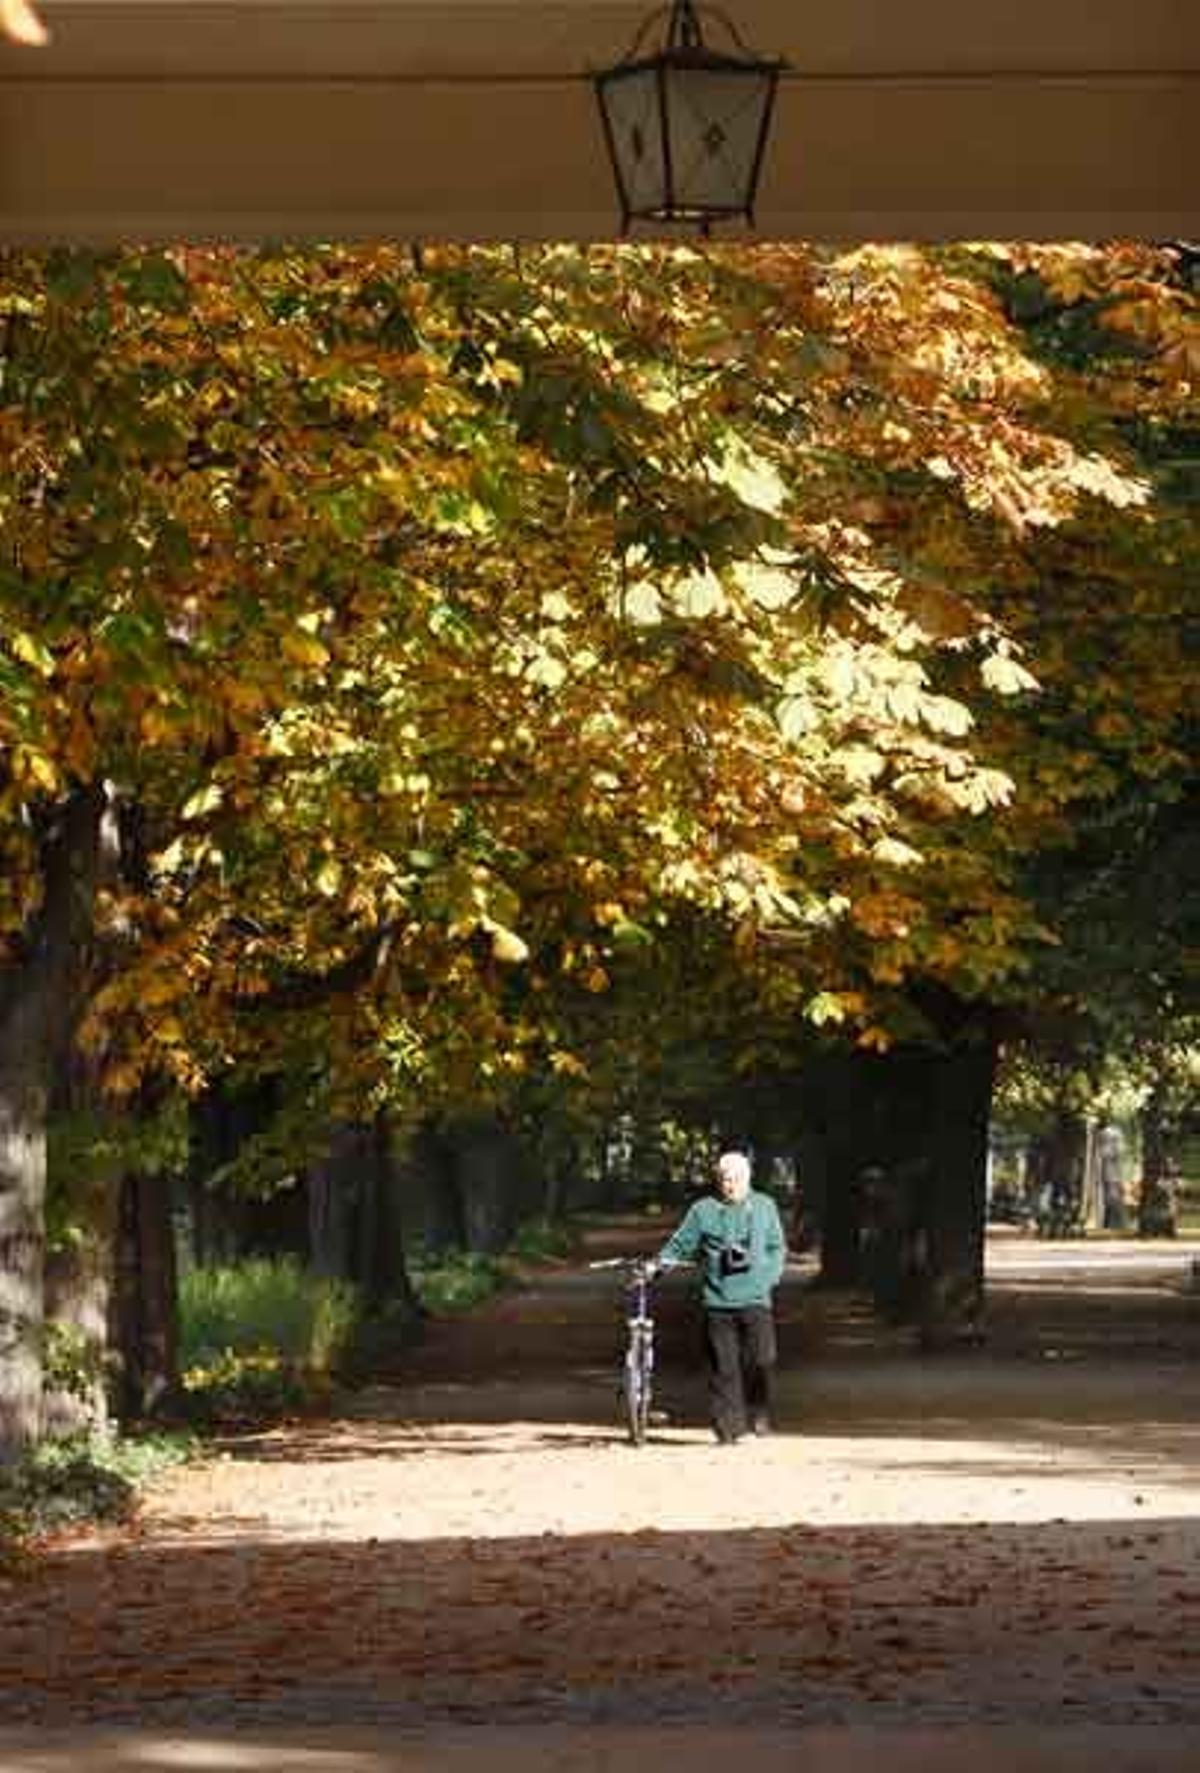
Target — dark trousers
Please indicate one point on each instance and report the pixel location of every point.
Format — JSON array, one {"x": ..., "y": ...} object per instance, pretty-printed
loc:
[{"x": 741, "y": 1361}]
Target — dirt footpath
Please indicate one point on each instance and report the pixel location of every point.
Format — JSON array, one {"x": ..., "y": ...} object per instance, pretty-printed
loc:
[{"x": 1010, "y": 1537}]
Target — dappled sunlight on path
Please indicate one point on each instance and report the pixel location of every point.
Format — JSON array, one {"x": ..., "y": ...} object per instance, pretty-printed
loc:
[{"x": 985, "y": 1538}]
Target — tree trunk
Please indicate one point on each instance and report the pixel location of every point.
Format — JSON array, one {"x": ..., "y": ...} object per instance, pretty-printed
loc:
[
  {"x": 382, "y": 1267},
  {"x": 146, "y": 1300},
  {"x": 39, "y": 998},
  {"x": 430, "y": 1163},
  {"x": 1158, "y": 1190},
  {"x": 334, "y": 1185},
  {"x": 79, "y": 1297},
  {"x": 485, "y": 1162},
  {"x": 954, "y": 1213},
  {"x": 24, "y": 1095},
  {"x": 904, "y": 1139}
]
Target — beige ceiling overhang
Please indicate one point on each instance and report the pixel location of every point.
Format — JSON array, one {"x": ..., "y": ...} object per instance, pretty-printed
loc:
[{"x": 473, "y": 119}]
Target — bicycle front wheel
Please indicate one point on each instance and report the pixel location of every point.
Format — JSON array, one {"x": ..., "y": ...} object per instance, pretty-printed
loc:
[{"x": 638, "y": 1367}]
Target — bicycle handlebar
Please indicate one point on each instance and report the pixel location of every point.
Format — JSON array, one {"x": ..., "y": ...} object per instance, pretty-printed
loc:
[{"x": 632, "y": 1262}]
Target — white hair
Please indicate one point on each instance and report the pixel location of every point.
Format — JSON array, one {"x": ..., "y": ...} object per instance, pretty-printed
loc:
[{"x": 735, "y": 1165}]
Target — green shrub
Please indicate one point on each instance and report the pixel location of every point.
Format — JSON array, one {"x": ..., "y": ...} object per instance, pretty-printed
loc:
[
  {"x": 458, "y": 1281},
  {"x": 265, "y": 1306},
  {"x": 85, "y": 1478},
  {"x": 228, "y": 1388},
  {"x": 72, "y": 1361},
  {"x": 260, "y": 1339}
]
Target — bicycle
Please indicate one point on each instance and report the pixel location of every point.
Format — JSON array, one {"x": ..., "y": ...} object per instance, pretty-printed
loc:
[{"x": 637, "y": 1373}]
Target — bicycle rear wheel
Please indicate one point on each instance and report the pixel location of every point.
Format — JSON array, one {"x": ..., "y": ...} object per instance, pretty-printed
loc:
[{"x": 638, "y": 1367}]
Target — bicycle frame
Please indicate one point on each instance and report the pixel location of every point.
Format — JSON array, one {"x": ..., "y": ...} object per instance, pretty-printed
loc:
[
  {"x": 639, "y": 1354},
  {"x": 637, "y": 1371}
]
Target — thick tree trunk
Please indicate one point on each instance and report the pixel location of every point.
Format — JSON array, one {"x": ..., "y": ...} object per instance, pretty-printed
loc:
[
  {"x": 146, "y": 1301},
  {"x": 79, "y": 1300},
  {"x": 335, "y": 1184},
  {"x": 904, "y": 1141},
  {"x": 24, "y": 1094},
  {"x": 382, "y": 1269},
  {"x": 82, "y": 1199},
  {"x": 954, "y": 1213},
  {"x": 39, "y": 998}
]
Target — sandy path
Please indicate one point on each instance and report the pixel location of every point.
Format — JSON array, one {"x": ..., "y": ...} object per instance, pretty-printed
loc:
[{"x": 999, "y": 1537}]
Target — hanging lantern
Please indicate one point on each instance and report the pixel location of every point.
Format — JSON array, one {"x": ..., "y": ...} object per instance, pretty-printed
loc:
[{"x": 686, "y": 124}]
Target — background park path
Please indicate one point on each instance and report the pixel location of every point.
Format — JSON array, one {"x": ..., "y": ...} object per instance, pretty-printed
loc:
[{"x": 1009, "y": 1537}]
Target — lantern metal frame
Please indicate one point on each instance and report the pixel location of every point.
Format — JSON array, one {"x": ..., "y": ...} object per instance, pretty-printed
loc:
[{"x": 683, "y": 51}]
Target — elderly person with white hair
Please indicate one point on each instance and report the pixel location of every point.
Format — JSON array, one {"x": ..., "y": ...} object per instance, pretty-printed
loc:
[{"x": 737, "y": 1241}]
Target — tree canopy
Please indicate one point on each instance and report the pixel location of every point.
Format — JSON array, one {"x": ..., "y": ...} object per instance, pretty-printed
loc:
[{"x": 474, "y": 673}]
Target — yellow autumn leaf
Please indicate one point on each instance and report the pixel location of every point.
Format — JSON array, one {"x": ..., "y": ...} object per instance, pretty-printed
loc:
[
  {"x": 1002, "y": 673},
  {"x": 33, "y": 769},
  {"x": 860, "y": 764},
  {"x": 565, "y": 1064},
  {"x": 304, "y": 649},
  {"x": 32, "y": 652},
  {"x": 826, "y": 1006},
  {"x": 507, "y": 946},
  {"x": 203, "y": 801},
  {"x": 896, "y": 854},
  {"x": 329, "y": 878}
]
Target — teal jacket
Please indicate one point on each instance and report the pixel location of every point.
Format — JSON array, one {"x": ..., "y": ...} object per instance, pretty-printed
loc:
[{"x": 712, "y": 1224}]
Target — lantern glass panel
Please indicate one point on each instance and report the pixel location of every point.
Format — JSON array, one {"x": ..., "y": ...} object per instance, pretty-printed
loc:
[
  {"x": 715, "y": 125},
  {"x": 632, "y": 104}
]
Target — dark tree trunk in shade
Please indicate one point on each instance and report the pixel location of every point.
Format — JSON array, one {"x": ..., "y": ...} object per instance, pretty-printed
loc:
[
  {"x": 953, "y": 1213},
  {"x": 487, "y": 1171},
  {"x": 841, "y": 1141},
  {"x": 432, "y": 1160},
  {"x": 904, "y": 1143},
  {"x": 382, "y": 1268},
  {"x": 146, "y": 1307},
  {"x": 335, "y": 1182}
]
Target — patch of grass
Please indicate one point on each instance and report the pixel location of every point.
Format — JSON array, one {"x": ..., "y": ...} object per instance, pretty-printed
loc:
[
  {"x": 268, "y": 1305},
  {"x": 260, "y": 1339}
]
